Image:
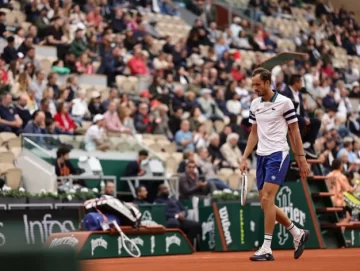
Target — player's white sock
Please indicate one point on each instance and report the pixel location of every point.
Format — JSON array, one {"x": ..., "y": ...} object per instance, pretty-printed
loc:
[
  {"x": 295, "y": 231},
  {"x": 267, "y": 241}
]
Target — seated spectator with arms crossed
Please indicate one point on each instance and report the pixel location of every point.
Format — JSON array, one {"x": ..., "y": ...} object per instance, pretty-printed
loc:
[{"x": 176, "y": 214}]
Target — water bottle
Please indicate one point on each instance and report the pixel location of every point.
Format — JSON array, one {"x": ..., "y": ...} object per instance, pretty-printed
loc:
[
  {"x": 102, "y": 187},
  {"x": 355, "y": 215}
]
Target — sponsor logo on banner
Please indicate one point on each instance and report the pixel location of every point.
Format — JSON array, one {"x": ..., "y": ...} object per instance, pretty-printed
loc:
[
  {"x": 172, "y": 240},
  {"x": 208, "y": 227},
  {"x": 225, "y": 222},
  {"x": 242, "y": 227},
  {"x": 284, "y": 202},
  {"x": 2, "y": 236},
  {"x": 64, "y": 241},
  {"x": 138, "y": 241},
  {"x": 44, "y": 228},
  {"x": 98, "y": 242},
  {"x": 152, "y": 240},
  {"x": 146, "y": 219}
]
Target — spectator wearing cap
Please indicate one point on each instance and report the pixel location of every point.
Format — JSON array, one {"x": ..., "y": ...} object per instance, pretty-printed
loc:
[
  {"x": 22, "y": 110},
  {"x": 309, "y": 127},
  {"x": 95, "y": 106},
  {"x": 231, "y": 151},
  {"x": 208, "y": 106},
  {"x": 184, "y": 137},
  {"x": 63, "y": 119},
  {"x": 236, "y": 27},
  {"x": 10, "y": 121},
  {"x": 112, "y": 120},
  {"x": 9, "y": 53},
  {"x": 79, "y": 108},
  {"x": 95, "y": 137}
]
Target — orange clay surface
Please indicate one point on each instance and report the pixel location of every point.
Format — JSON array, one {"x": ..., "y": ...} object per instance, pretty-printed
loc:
[{"x": 311, "y": 260}]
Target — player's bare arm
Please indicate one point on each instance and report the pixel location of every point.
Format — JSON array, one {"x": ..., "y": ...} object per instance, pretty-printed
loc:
[
  {"x": 297, "y": 147},
  {"x": 251, "y": 143}
]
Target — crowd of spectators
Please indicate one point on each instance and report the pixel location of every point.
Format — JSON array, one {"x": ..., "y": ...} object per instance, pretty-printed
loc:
[{"x": 195, "y": 80}]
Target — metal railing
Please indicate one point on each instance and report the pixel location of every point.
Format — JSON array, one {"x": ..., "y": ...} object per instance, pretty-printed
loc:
[{"x": 71, "y": 178}]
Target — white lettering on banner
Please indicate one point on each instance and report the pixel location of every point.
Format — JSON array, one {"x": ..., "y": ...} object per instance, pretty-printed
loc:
[
  {"x": 252, "y": 226},
  {"x": 98, "y": 242},
  {"x": 119, "y": 245},
  {"x": 68, "y": 241},
  {"x": 225, "y": 222},
  {"x": 2, "y": 236},
  {"x": 352, "y": 237},
  {"x": 45, "y": 228},
  {"x": 170, "y": 240},
  {"x": 146, "y": 219},
  {"x": 152, "y": 239},
  {"x": 296, "y": 215},
  {"x": 208, "y": 227},
  {"x": 138, "y": 241}
]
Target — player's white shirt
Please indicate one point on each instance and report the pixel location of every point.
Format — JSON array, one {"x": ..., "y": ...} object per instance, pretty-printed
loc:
[{"x": 272, "y": 119}]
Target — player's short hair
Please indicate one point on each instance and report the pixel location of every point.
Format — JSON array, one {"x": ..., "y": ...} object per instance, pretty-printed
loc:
[
  {"x": 265, "y": 75},
  {"x": 336, "y": 164},
  {"x": 295, "y": 78}
]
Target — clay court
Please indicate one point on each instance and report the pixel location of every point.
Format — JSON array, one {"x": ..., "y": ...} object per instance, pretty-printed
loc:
[{"x": 325, "y": 259}]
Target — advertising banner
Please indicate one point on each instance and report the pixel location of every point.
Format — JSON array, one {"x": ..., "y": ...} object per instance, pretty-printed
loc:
[
  {"x": 153, "y": 214},
  {"x": 33, "y": 227}
]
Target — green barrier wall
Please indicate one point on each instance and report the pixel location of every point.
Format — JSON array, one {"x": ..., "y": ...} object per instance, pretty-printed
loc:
[
  {"x": 153, "y": 213},
  {"x": 20, "y": 228},
  {"x": 99, "y": 246},
  {"x": 234, "y": 227}
]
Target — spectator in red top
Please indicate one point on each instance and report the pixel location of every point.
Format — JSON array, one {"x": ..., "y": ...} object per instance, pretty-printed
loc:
[
  {"x": 236, "y": 73},
  {"x": 4, "y": 79},
  {"x": 137, "y": 64},
  {"x": 83, "y": 65},
  {"x": 63, "y": 119},
  {"x": 94, "y": 17}
]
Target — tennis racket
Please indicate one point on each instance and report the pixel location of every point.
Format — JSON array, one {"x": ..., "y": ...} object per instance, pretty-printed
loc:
[
  {"x": 130, "y": 247},
  {"x": 244, "y": 187}
]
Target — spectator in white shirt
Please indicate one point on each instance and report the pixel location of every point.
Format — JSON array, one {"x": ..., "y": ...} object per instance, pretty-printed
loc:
[
  {"x": 80, "y": 107},
  {"x": 38, "y": 84},
  {"x": 236, "y": 27},
  {"x": 234, "y": 105},
  {"x": 95, "y": 137},
  {"x": 112, "y": 121}
]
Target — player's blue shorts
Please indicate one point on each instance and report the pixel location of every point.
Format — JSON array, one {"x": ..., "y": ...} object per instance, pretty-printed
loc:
[{"x": 272, "y": 168}]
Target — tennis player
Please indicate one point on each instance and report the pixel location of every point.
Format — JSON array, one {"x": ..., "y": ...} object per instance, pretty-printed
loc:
[{"x": 273, "y": 116}]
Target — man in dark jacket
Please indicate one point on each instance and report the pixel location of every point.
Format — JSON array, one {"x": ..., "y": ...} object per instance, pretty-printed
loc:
[
  {"x": 10, "y": 52},
  {"x": 141, "y": 195},
  {"x": 309, "y": 127},
  {"x": 176, "y": 214}
]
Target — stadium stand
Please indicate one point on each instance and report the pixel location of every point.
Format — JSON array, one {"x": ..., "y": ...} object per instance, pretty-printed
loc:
[{"x": 137, "y": 77}]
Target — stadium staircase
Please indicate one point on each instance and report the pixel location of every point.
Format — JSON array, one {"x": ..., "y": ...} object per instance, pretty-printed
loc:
[{"x": 327, "y": 215}]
